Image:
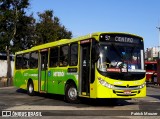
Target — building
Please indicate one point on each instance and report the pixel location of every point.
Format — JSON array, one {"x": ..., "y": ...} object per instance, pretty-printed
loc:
[{"x": 151, "y": 54}]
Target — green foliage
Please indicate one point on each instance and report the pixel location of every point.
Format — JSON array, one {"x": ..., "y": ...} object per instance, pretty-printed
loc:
[
  {"x": 14, "y": 24},
  {"x": 22, "y": 29},
  {"x": 49, "y": 28}
]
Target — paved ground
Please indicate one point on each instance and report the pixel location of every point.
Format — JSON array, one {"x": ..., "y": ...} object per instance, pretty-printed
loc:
[{"x": 17, "y": 100}]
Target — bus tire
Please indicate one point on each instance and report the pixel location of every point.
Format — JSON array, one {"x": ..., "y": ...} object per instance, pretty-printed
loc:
[
  {"x": 30, "y": 88},
  {"x": 71, "y": 94}
]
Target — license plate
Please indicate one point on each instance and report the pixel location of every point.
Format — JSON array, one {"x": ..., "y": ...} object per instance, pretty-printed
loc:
[{"x": 127, "y": 92}]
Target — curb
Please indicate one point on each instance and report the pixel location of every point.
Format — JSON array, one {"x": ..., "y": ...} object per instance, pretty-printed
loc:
[{"x": 9, "y": 87}]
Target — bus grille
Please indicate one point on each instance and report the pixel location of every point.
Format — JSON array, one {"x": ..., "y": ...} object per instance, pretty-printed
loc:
[
  {"x": 122, "y": 92},
  {"x": 116, "y": 87}
]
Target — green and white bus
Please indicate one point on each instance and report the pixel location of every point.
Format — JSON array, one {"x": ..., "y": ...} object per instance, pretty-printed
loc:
[{"x": 98, "y": 65}]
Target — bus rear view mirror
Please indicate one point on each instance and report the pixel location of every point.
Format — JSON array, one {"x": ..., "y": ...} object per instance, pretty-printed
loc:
[{"x": 95, "y": 52}]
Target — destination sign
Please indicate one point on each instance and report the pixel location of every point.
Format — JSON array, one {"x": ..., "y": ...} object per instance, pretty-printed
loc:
[
  {"x": 120, "y": 38},
  {"x": 124, "y": 39}
]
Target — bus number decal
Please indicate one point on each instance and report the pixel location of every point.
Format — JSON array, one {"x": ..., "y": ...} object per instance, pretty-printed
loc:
[{"x": 58, "y": 74}]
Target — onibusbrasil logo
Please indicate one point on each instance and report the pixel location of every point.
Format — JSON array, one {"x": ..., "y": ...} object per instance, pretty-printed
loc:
[{"x": 21, "y": 114}]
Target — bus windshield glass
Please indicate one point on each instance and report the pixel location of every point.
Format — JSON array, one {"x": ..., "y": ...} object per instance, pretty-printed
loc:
[
  {"x": 120, "y": 58},
  {"x": 151, "y": 66}
]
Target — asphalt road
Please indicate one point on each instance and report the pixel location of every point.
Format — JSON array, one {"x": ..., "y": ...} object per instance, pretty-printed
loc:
[{"x": 17, "y": 100}]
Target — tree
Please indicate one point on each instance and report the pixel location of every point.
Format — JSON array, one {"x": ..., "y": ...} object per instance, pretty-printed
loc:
[
  {"x": 49, "y": 29},
  {"x": 24, "y": 39},
  {"x": 23, "y": 30},
  {"x": 15, "y": 25}
]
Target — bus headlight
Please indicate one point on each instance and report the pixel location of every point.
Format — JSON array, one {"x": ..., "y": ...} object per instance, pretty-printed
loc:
[
  {"x": 143, "y": 85},
  {"x": 104, "y": 83}
]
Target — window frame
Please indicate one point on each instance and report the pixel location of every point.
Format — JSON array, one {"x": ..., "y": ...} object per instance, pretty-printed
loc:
[
  {"x": 60, "y": 56},
  {"x": 19, "y": 66},
  {"x": 70, "y": 57},
  {"x": 32, "y": 66},
  {"x": 24, "y": 65},
  {"x": 56, "y": 57}
]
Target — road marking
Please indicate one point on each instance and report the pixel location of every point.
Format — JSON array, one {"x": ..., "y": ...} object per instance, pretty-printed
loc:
[{"x": 153, "y": 101}]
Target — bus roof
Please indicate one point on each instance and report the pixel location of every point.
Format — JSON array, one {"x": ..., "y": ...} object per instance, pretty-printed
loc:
[
  {"x": 65, "y": 41},
  {"x": 99, "y": 33}
]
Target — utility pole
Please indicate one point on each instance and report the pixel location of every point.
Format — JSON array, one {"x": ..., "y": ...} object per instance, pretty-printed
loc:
[
  {"x": 158, "y": 35},
  {"x": 158, "y": 41}
]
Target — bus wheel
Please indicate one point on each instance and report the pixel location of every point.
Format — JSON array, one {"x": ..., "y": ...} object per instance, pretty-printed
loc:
[
  {"x": 30, "y": 89},
  {"x": 71, "y": 94}
]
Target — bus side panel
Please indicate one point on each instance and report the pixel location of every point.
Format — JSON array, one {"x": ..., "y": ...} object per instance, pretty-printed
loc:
[
  {"x": 93, "y": 87},
  {"x": 33, "y": 75},
  {"x": 57, "y": 80},
  {"x": 21, "y": 78},
  {"x": 18, "y": 80},
  {"x": 93, "y": 90},
  {"x": 43, "y": 80},
  {"x": 52, "y": 82}
]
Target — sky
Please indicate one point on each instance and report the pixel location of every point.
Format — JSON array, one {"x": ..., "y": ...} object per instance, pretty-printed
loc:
[{"x": 82, "y": 17}]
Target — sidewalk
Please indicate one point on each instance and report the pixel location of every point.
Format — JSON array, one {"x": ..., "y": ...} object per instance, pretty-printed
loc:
[{"x": 3, "y": 82}]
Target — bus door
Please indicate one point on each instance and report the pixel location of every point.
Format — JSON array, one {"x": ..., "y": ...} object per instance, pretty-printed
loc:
[
  {"x": 85, "y": 68},
  {"x": 43, "y": 74}
]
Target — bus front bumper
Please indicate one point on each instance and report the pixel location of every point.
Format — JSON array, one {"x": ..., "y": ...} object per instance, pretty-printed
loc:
[{"x": 128, "y": 90}]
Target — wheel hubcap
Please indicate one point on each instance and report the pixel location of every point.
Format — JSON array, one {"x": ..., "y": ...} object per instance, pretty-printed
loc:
[
  {"x": 30, "y": 88},
  {"x": 72, "y": 93}
]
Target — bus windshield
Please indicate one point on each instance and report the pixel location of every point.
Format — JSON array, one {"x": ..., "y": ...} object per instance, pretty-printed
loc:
[
  {"x": 151, "y": 66},
  {"x": 117, "y": 58}
]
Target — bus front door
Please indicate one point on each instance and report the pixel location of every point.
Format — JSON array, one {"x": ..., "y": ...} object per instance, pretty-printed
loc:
[
  {"x": 85, "y": 70},
  {"x": 43, "y": 74}
]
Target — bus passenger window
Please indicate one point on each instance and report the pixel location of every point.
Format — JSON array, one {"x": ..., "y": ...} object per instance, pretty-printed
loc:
[
  {"x": 25, "y": 61},
  {"x": 18, "y": 62},
  {"x": 34, "y": 60},
  {"x": 63, "y": 56},
  {"x": 53, "y": 57},
  {"x": 73, "y": 54}
]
